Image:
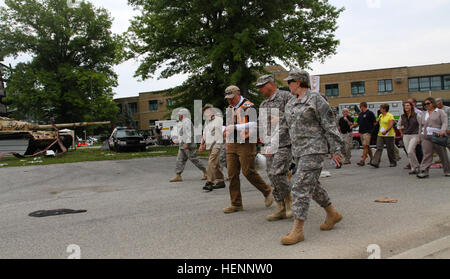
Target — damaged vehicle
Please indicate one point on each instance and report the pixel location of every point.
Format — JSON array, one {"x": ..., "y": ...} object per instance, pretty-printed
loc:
[{"x": 126, "y": 139}]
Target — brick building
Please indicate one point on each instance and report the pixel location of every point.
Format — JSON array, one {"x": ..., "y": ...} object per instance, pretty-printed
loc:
[
  {"x": 392, "y": 84},
  {"x": 145, "y": 109}
]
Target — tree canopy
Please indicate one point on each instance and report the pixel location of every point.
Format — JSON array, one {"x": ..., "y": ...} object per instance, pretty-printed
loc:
[
  {"x": 70, "y": 74},
  {"x": 219, "y": 42}
]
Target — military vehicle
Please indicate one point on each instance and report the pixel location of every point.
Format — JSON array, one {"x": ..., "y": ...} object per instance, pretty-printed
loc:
[{"x": 23, "y": 138}]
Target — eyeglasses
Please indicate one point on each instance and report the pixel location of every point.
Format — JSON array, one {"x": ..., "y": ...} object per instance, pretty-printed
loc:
[
  {"x": 427, "y": 104},
  {"x": 291, "y": 81}
]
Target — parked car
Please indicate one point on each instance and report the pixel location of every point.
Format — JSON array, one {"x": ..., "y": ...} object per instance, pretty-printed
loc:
[{"x": 126, "y": 139}]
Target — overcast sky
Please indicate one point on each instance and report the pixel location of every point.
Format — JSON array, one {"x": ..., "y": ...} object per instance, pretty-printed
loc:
[{"x": 373, "y": 34}]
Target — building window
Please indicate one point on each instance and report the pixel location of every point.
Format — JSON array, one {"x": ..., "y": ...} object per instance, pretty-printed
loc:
[
  {"x": 434, "y": 83},
  {"x": 170, "y": 102},
  {"x": 385, "y": 85},
  {"x": 413, "y": 84},
  {"x": 446, "y": 82},
  {"x": 332, "y": 90},
  {"x": 132, "y": 108},
  {"x": 120, "y": 108},
  {"x": 153, "y": 123},
  {"x": 153, "y": 105},
  {"x": 358, "y": 88},
  {"x": 424, "y": 84}
]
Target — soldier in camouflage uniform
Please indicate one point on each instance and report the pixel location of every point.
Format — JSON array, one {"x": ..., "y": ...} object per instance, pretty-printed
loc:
[
  {"x": 188, "y": 148},
  {"x": 277, "y": 144},
  {"x": 314, "y": 134}
]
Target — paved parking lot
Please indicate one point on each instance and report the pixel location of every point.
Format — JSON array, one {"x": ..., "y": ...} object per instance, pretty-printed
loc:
[{"x": 134, "y": 212}]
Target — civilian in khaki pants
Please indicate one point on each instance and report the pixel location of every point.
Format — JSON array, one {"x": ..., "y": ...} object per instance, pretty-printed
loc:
[
  {"x": 213, "y": 127},
  {"x": 241, "y": 155}
]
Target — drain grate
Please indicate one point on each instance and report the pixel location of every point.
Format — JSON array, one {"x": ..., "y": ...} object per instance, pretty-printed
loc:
[{"x": 54, "y": 212}]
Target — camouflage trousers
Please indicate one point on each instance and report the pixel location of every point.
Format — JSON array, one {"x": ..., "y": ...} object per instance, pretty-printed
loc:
[
  {"x": 277, "y": 168},
  {"x": 184, "y": 155},
  {"x": 306, "y": 185}
]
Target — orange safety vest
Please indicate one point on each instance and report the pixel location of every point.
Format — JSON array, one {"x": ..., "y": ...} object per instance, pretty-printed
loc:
[{"x": 240, "y": 117}]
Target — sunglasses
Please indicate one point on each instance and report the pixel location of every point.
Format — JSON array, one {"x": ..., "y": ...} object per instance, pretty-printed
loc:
[
  {"x": 427, "y": 104},
  {"x": 291, "y": 81}
]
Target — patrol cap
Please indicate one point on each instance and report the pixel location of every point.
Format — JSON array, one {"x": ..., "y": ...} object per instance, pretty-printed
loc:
[
  {"x": 231, "y": 91},
  {"x": 207, "y": 106},
  {"x": 439, "y": 100},
  {"x": 184, "y": 112},
  {"x": 263, "y": 80},
  {"x": 298, "y": 75}
]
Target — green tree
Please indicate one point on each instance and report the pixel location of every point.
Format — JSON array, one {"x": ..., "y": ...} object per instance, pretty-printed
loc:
[
  {"x": 221, "y": 42},
  {"x": 70, "y": 73}
]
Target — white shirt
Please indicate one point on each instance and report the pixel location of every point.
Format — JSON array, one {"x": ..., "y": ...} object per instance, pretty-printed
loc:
[
  {"x": 430, "y": 130},
  {"x": 427, "y": 115}
]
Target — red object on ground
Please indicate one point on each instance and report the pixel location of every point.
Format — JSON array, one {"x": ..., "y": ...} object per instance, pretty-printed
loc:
[{"x": 436, "y": 166}]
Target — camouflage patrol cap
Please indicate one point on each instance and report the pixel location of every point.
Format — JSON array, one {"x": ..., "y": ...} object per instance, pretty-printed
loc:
[
  {"x": 263, "y": 80},
  {"x": 231, "y": 91},
  {"x": 207, "y": 106},
  {"x": 439, "y": 100},
  {"x": 184, "y": 112},
  {"x": 299, "y": 75}
]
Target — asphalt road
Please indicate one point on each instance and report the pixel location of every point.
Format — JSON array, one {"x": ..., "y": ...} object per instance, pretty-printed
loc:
[{"x": 134, "y": 212}]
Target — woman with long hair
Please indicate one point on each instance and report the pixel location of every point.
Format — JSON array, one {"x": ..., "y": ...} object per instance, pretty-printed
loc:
[
  {"x": 433, "y": 121},
  {"x": 409, "y": 128}
]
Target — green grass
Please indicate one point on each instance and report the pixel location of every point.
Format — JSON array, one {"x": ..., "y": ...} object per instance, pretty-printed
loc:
[{"x": 89, "y": 154}]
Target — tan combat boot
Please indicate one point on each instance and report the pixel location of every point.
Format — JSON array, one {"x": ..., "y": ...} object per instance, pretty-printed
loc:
[
  {"x": 288, "y": 204},
  {"x": 268, "y": 201},
  {"x": 279, "y": 214},
  {"x": 232, "y": 209},
  {"x": 177, "y": 178},
  {"x": 205, "y": 177},
  {"x": 333, "y": 217},
  {"x": 296, "y": 235}
]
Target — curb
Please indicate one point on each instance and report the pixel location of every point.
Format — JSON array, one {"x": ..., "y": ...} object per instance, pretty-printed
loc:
[{"x": 425, "y": 250}]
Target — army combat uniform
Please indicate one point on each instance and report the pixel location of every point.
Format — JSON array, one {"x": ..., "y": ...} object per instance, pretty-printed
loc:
[
  {"x": 186, "y": 137},
  {"x": 313, "y": 134},
  {"x": 279, "y": 161}
]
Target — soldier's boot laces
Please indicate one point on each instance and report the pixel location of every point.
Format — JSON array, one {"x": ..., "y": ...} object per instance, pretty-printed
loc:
[
  {"x": 296, "y": 235},
  {"x": 177, "y": 178},
  {"x": 333, "y": 217},
  {"x": 279, "y": 214}
]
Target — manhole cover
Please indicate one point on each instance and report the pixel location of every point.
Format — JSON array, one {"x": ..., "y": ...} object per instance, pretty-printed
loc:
[{"x": 54, "y": 212}]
